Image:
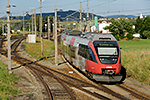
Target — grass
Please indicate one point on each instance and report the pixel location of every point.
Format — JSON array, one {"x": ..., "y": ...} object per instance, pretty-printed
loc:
[
  {"x": 135, "y": 57},
  {"x": 7, "y": 83},
  {"x": 34, "y": 49},
  {"x": 136, "y": 45}
]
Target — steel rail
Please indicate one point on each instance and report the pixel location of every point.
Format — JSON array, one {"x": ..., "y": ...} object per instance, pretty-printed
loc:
[
  {"x": 44, "y": 67},
  {"x": 73, "y": 98},
  {"x": 44, "y": 83},
  {"x": 103, "y": 88},
  {"x": 95, "y": 94},
  {"x": 40, "y": 77},
  {"x": 133, "y": 93}
]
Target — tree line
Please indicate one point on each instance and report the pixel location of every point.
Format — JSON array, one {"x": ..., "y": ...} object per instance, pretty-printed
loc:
[
  {"x": 124, "y": 28},
  {"x": 119, "y": 28}
]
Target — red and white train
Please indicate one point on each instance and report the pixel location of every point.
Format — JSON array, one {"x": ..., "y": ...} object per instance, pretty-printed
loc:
[{"x": 97, "y": 55}]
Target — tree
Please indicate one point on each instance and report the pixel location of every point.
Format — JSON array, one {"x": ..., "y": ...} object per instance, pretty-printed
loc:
[
  {"x": 45, "y": 21},
  {"x": 146, "y": 34},
  {"x": 138, "y": 24},
  {"x": 37, "y": 22},
  {"x": 120, "y": 27},
  {"x": 145, "y": 26}
]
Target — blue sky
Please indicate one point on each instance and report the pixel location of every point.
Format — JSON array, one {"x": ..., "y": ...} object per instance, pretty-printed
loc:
[{"x": 100, "y": 7}]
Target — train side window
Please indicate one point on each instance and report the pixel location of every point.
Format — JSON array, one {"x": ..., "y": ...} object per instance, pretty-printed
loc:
[
  {"x": 85, "y": 51},
  {"x": 82, "y": 50}
]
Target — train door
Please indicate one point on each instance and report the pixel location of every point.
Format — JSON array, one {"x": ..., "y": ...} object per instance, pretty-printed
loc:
[{"x": 81, "y": 57}]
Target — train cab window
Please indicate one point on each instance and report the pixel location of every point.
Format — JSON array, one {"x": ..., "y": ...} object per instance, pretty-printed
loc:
[
  {"x": 90, "y": 55},
  {"x": 107, "y": 51}
]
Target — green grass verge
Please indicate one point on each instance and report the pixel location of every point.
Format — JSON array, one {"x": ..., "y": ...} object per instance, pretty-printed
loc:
[
  {"x": 136, "y": 45},
  {"x": 135, "y": 57},
  {"x": 34, "y": 49},
  {"x": 7, "y": 83}
]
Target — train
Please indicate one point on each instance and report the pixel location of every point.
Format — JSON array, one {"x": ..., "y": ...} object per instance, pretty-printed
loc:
[{"x": 97, "y": 55}]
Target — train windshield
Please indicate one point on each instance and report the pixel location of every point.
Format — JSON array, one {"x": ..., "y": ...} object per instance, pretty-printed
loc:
[{"x": 107, "y": 51}]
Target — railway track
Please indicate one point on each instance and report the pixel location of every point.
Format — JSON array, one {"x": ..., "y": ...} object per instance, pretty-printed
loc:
[
  {"x": 31, "y": 64},
  {"x": 47, "y": 71},
  {"x": 49, "y": 76},
  {"x": 126, "y": 92}
]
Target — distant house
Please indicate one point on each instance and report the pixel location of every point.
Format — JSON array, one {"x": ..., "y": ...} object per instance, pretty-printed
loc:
[
  {"x": 102, "y": 25},
  {"x": 137, "y": 35},
  {"x": 17, "y": 27}
]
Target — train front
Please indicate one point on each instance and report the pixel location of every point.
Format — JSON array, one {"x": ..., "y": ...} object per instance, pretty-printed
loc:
[{"x": 109, "y": 68}]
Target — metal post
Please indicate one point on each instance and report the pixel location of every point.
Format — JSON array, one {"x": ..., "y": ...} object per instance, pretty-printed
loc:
[
  {"x": 35, "y": 20},
  {"x": 41, "y": 28},
  {"x": 80, "y": 16},
  {"x": 48, "y": 29},
  {"x": 8, "y": 38},
  {"x": 53, "y": 25},
  {"x": 32, "y": 23},
  {"x": 87, "y": 17},
  {"x": 29, "y": 27},
  {"x": 56, "y": 52},
  {"x": 23, "y": 25},
  {"x": 3, "y": 27}
]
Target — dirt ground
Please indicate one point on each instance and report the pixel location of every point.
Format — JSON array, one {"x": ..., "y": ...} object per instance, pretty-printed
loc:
[{"x": 32, "y": 90}]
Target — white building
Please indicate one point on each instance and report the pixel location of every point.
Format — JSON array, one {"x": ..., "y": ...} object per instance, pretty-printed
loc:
[
  {"x": 137, "y": 35},
  {"x": 102, "y": 25},
  {"x": 141, "y": 16}
]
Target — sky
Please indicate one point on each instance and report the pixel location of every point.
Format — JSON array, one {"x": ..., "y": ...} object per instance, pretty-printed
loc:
[{"x": 99, "y": 7}]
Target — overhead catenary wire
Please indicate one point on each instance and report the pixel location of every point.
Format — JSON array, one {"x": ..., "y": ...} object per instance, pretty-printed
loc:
[{"x": 119, "y": 11}]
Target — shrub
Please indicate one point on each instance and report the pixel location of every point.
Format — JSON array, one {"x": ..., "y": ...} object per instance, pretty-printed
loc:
[
  {"x": 117, "y": 37},
  {"x": 129, "y": 36},
  {"x": 147, "y": 34}
]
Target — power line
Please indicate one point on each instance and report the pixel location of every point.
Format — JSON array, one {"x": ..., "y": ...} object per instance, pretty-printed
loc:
[
  {"x": 102, "y": 4},
  {"x": 124, "y": 11}
]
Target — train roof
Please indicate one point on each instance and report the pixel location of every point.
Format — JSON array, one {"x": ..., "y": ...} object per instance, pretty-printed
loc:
[
  {"x": 73, "y": 32},
  {"x": 98, "y": 37},
  {"x": 86, "y": 37}
]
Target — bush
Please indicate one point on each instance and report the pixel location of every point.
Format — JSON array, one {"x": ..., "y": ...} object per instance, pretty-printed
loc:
[
  {"x": 117, "y": 37},
  {"x": 146, "y": 34},
  {"x": 129, "y": 36}
]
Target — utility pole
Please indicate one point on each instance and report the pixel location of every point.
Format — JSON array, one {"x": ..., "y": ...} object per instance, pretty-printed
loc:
[
  {"x": 56, "y": 52},
  {"x": 80, "y": 15},
  {"x": 41, "y": 28},
  {"x": 23, "y": 25},
  {"x": 48, "y": 29},
  {"x": 92, "y": 18},
  {"x": 32, "y": 23},
  {"x": 3, "y": 27},
  {"x": 53, "y": 25},
  {"x": 8, "y": 38},
  {"x": 29, "y": 27},
  {"x": 32, "y": 17},
  {"x": 87, "y": 17},
  {"x": 35, "y": 20}
]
